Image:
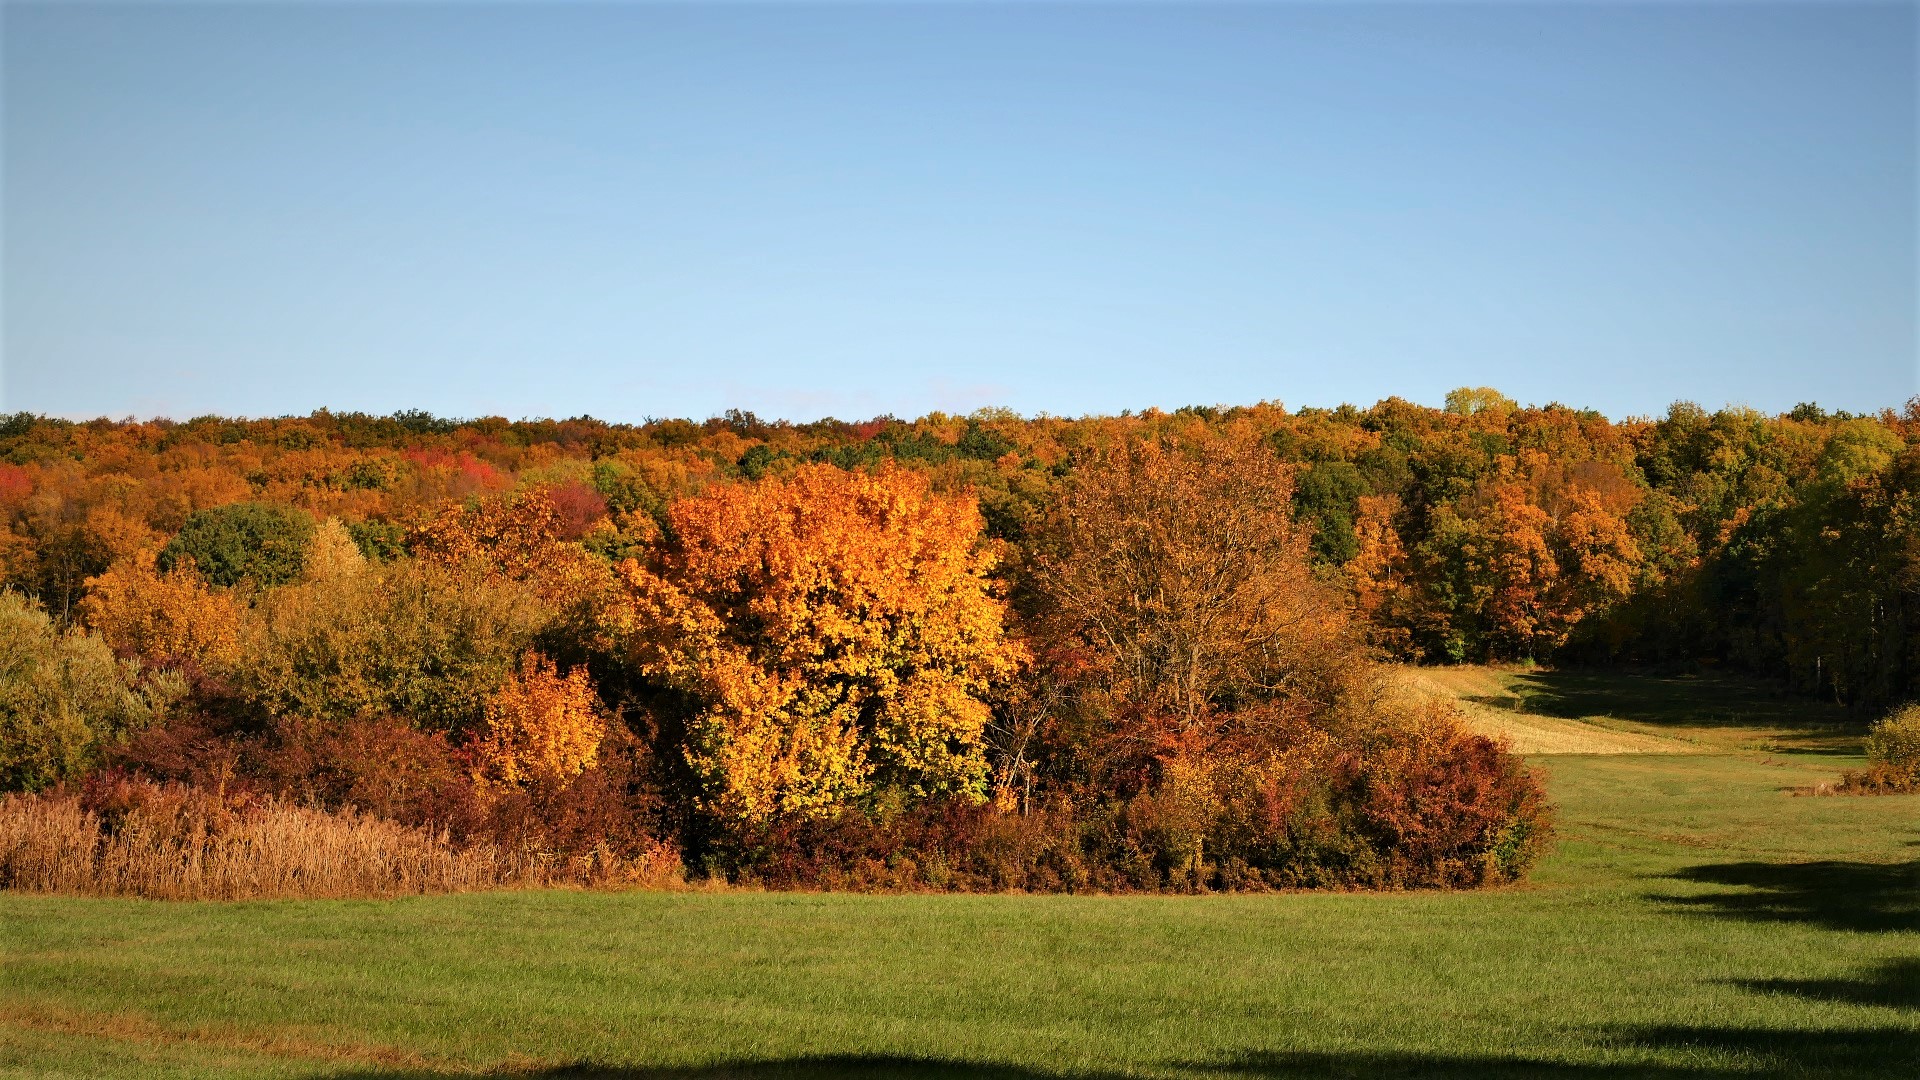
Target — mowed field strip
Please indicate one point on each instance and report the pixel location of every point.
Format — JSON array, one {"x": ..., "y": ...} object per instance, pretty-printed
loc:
[{"x": 1495, "y": 703}]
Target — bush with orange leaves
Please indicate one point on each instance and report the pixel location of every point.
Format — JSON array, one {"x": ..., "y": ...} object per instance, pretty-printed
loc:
[
  {"x": 521, "y": 538},
  {"x": 173, "y": 615},
  {"x": 835, "y": 635},
  {"x": 541, "y": 724}
]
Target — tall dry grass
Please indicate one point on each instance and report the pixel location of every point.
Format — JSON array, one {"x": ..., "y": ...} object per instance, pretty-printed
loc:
[{"x": 180, "y": 843}]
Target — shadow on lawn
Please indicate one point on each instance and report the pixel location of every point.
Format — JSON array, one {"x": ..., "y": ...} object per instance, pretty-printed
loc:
[
  {"x": 1727, "y": 1053},
  {"x": 1668, "y": 701},
  {"x": 1721, "y": 1053},
  {"x": 1896, "y": 984},
  {"x": 1871, "y": 897}
]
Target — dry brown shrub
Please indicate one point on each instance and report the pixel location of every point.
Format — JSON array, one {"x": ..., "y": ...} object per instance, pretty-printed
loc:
[{"x": 181, "y": 843}]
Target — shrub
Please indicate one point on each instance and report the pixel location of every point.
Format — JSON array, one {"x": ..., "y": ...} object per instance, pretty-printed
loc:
[
  {"x": 425, "y": 642},
  {"x": 385, "y": 766},
  {"x": 258, "y": 542},
  {"x": 541, "y": 724},
  {"x": 376, "y": 764},
  {"x": 62, "y": 696},
  {"x": 1447, "y": 810},
  {"x": 940, "y": 844},
  {"x": 1893, "y": 755},
  {"x": 1895, "y": 740},
  {"x": 607, "y": 811}
]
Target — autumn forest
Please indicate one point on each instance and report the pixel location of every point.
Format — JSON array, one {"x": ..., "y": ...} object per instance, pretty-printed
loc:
[{"x": 1144, "y": 652}]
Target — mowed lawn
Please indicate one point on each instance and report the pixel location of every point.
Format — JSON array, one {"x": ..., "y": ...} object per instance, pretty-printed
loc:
[{"x": 1696, "y": 920}]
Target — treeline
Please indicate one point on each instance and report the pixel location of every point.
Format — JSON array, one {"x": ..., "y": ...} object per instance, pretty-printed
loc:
[
  {"x": 1131, "y": 652},
  {"x": 1781, "y": 545}
]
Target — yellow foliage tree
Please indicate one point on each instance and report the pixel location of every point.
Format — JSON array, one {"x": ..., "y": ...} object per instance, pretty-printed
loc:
[
  {"x": 121, "y": 536},
  {"x": 837, "y": 633},
  {"x": 137, "y": 609},
  {"x": 541, "y": 723},
  {"x": 332, "y": 554}
]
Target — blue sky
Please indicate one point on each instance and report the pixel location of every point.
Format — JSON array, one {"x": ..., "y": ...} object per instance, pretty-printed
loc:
[{"x": 635, "y": 211}]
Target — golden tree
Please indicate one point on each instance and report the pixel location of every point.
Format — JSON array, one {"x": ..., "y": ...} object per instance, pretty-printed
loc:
[
  {"x": 332, "y": 554},
  {"x": 141, "y": 611},
  {"x": 540, "y": 724},
  {"x": 1378, "y": 572},
  {"x": 515, "y": 534},
  {"x": 1602, "y": 557},
  {"x": 835, "y": 631},
  {"x": 1517, "y": 569}
]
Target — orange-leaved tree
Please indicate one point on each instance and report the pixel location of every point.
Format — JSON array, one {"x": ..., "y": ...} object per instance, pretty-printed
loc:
[
  {"x": 1183, "y": 570},
  {"x": 835, "y": 634},
  {"x": 1512, "y": 569},
  {"x": 514, "y": 534},
  {"x": 519, "y": 538},
  {"x": 1378, "y": 573},
  {"x": 154, "y": 615},
  {"x": 540, "y": 724}
]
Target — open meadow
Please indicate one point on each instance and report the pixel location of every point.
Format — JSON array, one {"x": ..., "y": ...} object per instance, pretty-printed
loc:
[
  {"x": 1696, "y": 919},
  {"x": 959, "y": 541}
]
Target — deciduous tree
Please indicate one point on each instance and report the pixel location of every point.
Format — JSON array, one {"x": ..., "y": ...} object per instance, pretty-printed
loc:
[
  {"x": 835, "y": 634},
  {"x": 541, "y": 723}
]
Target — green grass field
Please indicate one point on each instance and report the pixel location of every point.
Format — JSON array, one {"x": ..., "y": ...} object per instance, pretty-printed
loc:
[{"x": 1696, "y": 920}]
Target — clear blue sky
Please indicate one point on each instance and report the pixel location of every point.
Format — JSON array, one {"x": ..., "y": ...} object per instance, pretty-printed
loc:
[{"x": 628, "y": 211}]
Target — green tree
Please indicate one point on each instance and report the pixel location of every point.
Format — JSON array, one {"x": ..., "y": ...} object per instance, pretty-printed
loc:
[
  {"x": 1327, "y": 496},
  {"x": 256, "y": 542},
  {"x": 62, "y": 695},
  {"x": 425, "y": 642}
]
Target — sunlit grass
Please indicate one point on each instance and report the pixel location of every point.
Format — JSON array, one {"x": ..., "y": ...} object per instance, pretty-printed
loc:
[{"x": 1696, "y": 921}]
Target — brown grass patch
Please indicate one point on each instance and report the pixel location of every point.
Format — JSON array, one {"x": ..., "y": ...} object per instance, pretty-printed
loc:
[{"x": 135, "y": 1029}]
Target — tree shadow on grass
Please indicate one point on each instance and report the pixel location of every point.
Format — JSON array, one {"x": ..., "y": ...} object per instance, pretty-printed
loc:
[
  {"x": 821, "y": 1067},
  {"x": 1670, "y": 701},
  {"x": 1708, "y": 1053},
  {"x": 1895, "y": 984},
  {"x": 1869, "y": 897}
]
